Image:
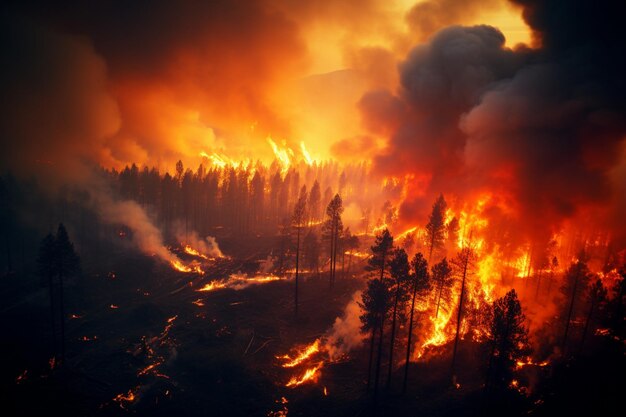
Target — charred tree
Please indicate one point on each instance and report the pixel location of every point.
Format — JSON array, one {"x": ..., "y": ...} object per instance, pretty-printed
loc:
[
  {"x": 576, "y": 278},
  {"x": 399, "y": 271},
  {"x": 442, "y": 277},
  {"x": 596, "y": 295},
  {"x": 46, "y": 267},
  {"x": 332, "y": 229},
  {"x": 419, "y": 281},
  {"x": 66, "y": 264},
  {"x": 463, "y": 263},
  {"x": 435, "y": 228},
  {"x": 297, "y": 222}
]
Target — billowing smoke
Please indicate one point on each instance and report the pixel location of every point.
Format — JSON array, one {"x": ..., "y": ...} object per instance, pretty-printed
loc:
[
  {"x": 206, "y": 246},
  {"x": 540, "y": 129},
  {"x": 345, "y": 334},
  {"x": 145, "y": 234}
]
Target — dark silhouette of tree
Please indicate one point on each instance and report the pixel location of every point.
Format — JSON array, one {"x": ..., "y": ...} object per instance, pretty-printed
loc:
[
  {"x": 311, "y": 251},
  {"x": 596, "y": 296},
  {"x": 399, "y": 271},
  {"x": 332, "y": 230},
  {"x": 419, "y": 285},
  {"x": 46, "y": 264},
  {"x": 66, "y": 264},
  {"x": 315, "y": 200},
  {"x": 452, "y": 228},
  {"x": 376, "y": 303},
  {"x": 508, "y": 339},
  {"x": 435, "y": 228},
  {"x": 380, "y": 252},
  {"x": 297, "y": 223},
  {"x": 350, "y": 243},
  {"x": 575, "y": 281},
  {"x": 463, "y": 264},
  {"x": 443, "y": 279}
]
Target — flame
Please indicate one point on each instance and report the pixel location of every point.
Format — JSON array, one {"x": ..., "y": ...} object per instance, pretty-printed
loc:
[
  {"x": 126, "y": 398},
  {"x": 529, "y": 362},
  {"x": 310, "y": 375},
  {"x": 306, "y": 154},
  {"x": 213, "y": 285},
  {"x": 179, "y": 266},
  {"x": 191, "y": 251},
  {"x": 238, "y": 282},
  {"x": 406, "y": 233},
  {"x": 282, "y": 154},
  {"x": 305, "y": 354}
]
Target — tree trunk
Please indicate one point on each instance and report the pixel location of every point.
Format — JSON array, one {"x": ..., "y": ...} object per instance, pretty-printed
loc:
[
  {"x": 586, "y": 329},
  {"x": 378, "y": 359},
  {"x": 393, "y": 335},
  {"x": 52, "y": 321},
  {"x": 61, "y": 302},
  {"x": 408, "y": 346},
  {"x": 459, "y": 315},
  {"x": 571, "y": 309},
  {"x": 297, "y": 266},
  {"x": 369, "y": 365},
  {"x": 439, "y": 297}
]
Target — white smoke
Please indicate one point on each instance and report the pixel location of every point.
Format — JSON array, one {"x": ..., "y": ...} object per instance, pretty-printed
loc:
[
  {"x": 145, "y": 234},
  {"x": 207, "y": 246},
  {"x": 346, "y": 332}
]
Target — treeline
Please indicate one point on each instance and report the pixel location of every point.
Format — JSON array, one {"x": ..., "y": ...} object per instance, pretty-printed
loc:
[{"x": 244, "y": 199}]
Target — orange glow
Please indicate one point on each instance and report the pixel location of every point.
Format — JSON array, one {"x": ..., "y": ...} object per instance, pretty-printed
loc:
[
  {"x": 302, "y": 355},
  {"x": 310, "y": 375},
  {"x": 191, "y": 251}
]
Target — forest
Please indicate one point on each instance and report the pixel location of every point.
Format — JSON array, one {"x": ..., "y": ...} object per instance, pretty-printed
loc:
[{"x": 155, "y": 293}]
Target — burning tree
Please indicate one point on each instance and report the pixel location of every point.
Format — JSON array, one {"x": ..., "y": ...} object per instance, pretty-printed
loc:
[
  {"x": 46, "y": 267},
  {"x": 376, "y": 303},
  {"x": 297, "y": 222},
  {"x": 508, "y": 339},
  {"x": 463, "y": 263},
  {"x": 436, "y": 227},
  {"x": 442, "y": 277},
  {"x": 332, "y": 230},
  {"x": 575, "y": 282},
  {"x": 399, "y": 271},
  {"x": 596, "y": 296},
  {"x": 419, "y": 283}
]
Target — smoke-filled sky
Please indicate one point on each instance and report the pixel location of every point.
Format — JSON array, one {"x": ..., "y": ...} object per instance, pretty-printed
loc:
[{"x": 523, "y": 98}]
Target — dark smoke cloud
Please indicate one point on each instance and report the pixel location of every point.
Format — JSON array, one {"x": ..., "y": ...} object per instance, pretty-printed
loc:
[{"x": 543, "y": 127}]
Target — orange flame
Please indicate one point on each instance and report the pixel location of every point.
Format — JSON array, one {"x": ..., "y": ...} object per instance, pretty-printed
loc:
[
  {"x": 310, "y": 375},
  {"x": 305, "y": 354}
]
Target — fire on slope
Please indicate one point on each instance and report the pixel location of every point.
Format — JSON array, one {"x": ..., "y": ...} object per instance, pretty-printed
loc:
[
  {"x": 239, "y": 282},
  {"x": 301, "y": 357}
]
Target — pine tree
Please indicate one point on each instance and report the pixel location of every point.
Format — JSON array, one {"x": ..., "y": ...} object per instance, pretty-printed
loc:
[
  {"x": 575, "y": 281},
  {"x": 297, "y": 222},
  {"x": 419, "y": 282},
  {"x": 380, "y": 252},
  {"x": 46, "y": 266},
  {"x": 443, "y": 279},
  {"x": 508, "y": 339},
  {"x": 463, "y": 263},
  {"x": 332, "y": 230},
  {"x": 596, "y": 295},
  {"x": 66, "y": 264},
  {"x": 376, "y": 303},
  {"x": 435, "y": 228},
  {"x": 399, "y": 271}
]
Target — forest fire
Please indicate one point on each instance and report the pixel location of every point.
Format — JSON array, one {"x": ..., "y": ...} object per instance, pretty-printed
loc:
[
  {"x": 239, "y": 282},
  {"x": 310, "y": 375},
  {"x": 191, "y": 251},
  {"x": 302, "y": 355},
  {"x": 410, "y": 197}
]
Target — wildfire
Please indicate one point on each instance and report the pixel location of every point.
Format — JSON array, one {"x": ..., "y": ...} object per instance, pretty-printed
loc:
[
  {"x": 211, "y": 286},
  {"x": 529, "y": 362},
  {"x": 306, "y": 154},
  {"x": 238, "y": 282},
  {"x": 282, "y": 154},
  {"x": 310, "y": 375},
  {"x": 191, "y": 251},
  {"x": 126, "y": 398},
  {"x": 179, "y": 266},
  {"x": 302, "y": 356}
]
